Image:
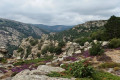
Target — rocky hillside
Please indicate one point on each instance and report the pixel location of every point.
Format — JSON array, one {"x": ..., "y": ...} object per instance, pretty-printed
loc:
[
  {"x": 55, "y": 28},
  {"x": 78, "y": 31},
  {"x": 31, "y": 48},
  {"x": 11, "y": 32}
]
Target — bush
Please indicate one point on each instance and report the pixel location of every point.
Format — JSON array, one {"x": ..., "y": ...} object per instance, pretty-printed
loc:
[
  {"x": 112, "y": 28},
  {"x": 33, "y": 42},
  {"x": 61, "y": 44},
  {"x": 20, "y": 49},
  {"x": 99, "y": 35},
  {"x": 96, "y": 50},
  {"x": 3, "y": 60},
  {"x": 114, "y": 43},
  {"x": 58, "y": 50},
  {"x": 51, "y": 49},
  {"x": 79, "y": 69},
  {"x": 28, "y": 52}
]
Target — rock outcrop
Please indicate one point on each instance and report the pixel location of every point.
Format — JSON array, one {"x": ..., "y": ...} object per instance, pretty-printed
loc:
[
  {"x": 30, "y": 48},
  {"x": 97, "y": 23}
]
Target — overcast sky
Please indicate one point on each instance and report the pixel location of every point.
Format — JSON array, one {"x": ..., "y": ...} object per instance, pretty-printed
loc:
[{"x": 58, "y": 12}]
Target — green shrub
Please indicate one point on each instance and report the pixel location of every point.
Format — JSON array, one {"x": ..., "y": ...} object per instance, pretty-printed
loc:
[
  {"x": 109, "y": 65},
  {"x": 61, "y": 44},
  {"x": 114, "y": 43},
  {"x": 3, "y": 60},
  {"x": 28, "y": 51},
  {"x": 80, "y": 69},
  {"x": 51, "y": 49},
  {"x": 20, "y": 49},
  {"x": 112, "y": 27},
  {"x": 58, "y": 50},
  {"x": 96, "y": 50},
  {"x": 33, "y": 42},
  {"x": 99, "y": 35},
  {"x": 19, "y": 63}
]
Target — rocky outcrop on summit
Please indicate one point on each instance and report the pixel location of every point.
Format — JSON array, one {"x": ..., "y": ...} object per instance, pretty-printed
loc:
[{"x": 97, "y": 23}]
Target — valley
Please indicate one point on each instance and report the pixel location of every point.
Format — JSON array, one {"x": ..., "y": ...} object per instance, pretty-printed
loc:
[{"x": 88, "y": 51}]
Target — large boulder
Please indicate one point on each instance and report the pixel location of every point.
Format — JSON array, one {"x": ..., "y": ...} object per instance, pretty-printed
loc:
[{"x": 105, "y": 43}]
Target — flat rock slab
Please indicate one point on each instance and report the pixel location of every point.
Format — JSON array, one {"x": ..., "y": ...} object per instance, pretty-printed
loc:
[
  {"x": 39, "y": 74},
  {"x": 38, "y": 77}
]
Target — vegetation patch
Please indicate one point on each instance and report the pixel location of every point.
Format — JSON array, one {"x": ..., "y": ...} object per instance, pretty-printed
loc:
[
  {"x": 109, "y": 65},
  {"x": 96, "y": 50},
  {"x": 114, "y": 43}
]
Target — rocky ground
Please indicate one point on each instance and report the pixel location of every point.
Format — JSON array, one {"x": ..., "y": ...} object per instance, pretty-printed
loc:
[{"x": 40, "y": 72}]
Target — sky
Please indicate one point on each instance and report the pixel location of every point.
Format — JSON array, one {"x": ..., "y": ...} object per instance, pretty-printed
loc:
[{"x": 58, "y": 12}]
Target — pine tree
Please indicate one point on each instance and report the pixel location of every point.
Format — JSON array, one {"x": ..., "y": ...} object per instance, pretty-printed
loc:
[{"x": 113, "y": 27}]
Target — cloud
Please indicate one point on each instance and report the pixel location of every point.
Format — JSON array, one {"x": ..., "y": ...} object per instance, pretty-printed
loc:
[{"x": 58, "y": 12}]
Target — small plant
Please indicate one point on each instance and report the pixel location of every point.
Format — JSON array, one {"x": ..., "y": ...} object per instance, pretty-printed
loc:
[
  {"x": 114, "y": 43},
  {"x": 3, "y": 60},
  {"x": 96, "y": 50},
  {"x": 20, "y": 49}
]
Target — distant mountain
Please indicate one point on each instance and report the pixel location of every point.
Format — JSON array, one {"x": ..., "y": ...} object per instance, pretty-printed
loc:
[
  {"x": 12, "y": 32},
  {"x": 78, "y": 31},
  {"x": 56, "y": 28}
]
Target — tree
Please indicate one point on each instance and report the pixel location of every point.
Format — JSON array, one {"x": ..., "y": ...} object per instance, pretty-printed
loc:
[{"x": 113, "y": 27}]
